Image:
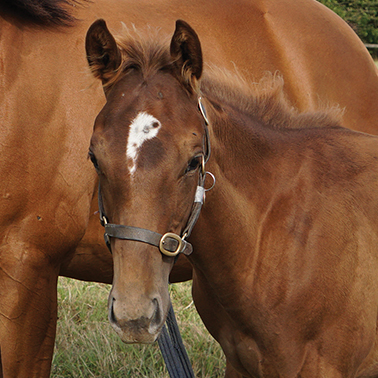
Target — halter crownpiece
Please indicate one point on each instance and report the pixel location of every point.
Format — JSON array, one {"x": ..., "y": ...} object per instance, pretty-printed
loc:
[
  {"x": 204, "y": 116},
  {"x": 169, "y": 244},
  {"x": 202, "y": 110}
]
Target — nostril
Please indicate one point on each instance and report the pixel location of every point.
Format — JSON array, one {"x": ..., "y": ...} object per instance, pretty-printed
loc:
[
  {"x": 156, "y": 317},
  {"x": 112, "y": 317}
]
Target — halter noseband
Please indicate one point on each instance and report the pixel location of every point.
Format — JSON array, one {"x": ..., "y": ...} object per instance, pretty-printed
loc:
[{"x": 169, "y": 244}]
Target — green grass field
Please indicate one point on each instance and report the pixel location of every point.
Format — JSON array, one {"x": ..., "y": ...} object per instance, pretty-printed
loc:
[{"x": 87, "y": 346}]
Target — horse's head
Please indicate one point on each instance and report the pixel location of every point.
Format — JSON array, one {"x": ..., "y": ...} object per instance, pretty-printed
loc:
[{"x": 149, "y": 146}]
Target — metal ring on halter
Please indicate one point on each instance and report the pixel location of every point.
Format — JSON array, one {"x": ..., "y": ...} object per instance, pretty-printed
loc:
[{"x": 213, "y": 177}]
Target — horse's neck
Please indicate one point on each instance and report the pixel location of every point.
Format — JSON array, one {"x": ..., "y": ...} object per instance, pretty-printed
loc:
[{"x": 242, "y": 163}]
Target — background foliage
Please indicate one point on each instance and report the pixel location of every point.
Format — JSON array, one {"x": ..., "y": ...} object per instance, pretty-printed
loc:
[{"x": 361, "y": 15}]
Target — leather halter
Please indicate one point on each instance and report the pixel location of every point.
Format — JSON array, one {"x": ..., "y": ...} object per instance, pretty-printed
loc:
[{"x": 169, "y": 244}]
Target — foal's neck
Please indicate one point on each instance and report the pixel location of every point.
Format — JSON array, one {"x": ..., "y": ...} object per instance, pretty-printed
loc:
[
  {"x": 254, "y": 164},
  {"x": 242, "y": 160},
  {"x": 242, "y": 147}
]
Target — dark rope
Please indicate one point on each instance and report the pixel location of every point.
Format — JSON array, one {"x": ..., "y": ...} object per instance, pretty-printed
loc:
[{"x": 173, "y": 350}]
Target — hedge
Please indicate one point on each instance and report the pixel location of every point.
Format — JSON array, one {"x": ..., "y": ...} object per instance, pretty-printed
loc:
[{"x": 361, "y": 15}]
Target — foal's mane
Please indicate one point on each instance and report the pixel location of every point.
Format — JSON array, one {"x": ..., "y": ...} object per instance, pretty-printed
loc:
[{"x": 264, "y": 100}]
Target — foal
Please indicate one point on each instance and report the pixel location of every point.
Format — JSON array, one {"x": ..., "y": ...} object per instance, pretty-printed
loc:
[{"x": 285, "y": 249}]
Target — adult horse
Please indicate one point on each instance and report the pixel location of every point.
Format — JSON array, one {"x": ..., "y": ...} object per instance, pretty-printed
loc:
[
  {"x": 285, "y": 255},
  {"x": 48, "y": 103}
]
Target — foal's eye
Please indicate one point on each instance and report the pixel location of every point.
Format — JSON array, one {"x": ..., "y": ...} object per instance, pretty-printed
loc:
[
  {"x": 93, "y": 159},
  {"x": 193, "y": 164}
]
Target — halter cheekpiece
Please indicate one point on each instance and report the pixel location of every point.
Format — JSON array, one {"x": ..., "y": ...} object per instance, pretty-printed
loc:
[{"x": 169, "y": 244}]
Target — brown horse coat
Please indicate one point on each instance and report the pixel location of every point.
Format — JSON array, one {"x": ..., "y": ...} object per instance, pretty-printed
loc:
[{"x": 47, "y": 106}]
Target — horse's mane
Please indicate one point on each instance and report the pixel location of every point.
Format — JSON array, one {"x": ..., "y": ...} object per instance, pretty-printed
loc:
[
  {"x": 264, "y": 100},
  {"x": 41, "y": 12}
]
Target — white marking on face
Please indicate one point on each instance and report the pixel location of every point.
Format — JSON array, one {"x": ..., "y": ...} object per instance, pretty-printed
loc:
[{"x": 142, "y": 128}]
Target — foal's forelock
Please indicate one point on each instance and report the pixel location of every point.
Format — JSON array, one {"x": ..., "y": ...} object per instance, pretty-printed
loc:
[{"x": 146, "y": 51}]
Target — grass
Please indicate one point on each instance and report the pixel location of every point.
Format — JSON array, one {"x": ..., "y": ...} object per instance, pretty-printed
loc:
[{"x": 86, "y": 345}]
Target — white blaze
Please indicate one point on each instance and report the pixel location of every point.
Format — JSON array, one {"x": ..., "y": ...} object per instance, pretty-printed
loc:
[{"x": 143, "y": 127}]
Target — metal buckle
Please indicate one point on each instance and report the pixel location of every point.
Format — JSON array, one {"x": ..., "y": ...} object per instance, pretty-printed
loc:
[
  {"x": 172, "y": 236},
  {"x": 103, "y": 220},
  {"x": 203, "y": 170}
]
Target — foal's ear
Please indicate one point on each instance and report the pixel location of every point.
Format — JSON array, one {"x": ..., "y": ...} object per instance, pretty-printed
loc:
[
  {"x": 103, "y": 54},
  {"x": 186, "y": 54}
]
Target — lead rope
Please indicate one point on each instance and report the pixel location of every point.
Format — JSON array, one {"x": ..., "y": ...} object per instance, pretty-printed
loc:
[{"x": 173, "y": 350}]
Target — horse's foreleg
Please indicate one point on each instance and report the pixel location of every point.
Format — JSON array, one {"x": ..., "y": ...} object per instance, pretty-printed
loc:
[{"x": 28, "y": 312}]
